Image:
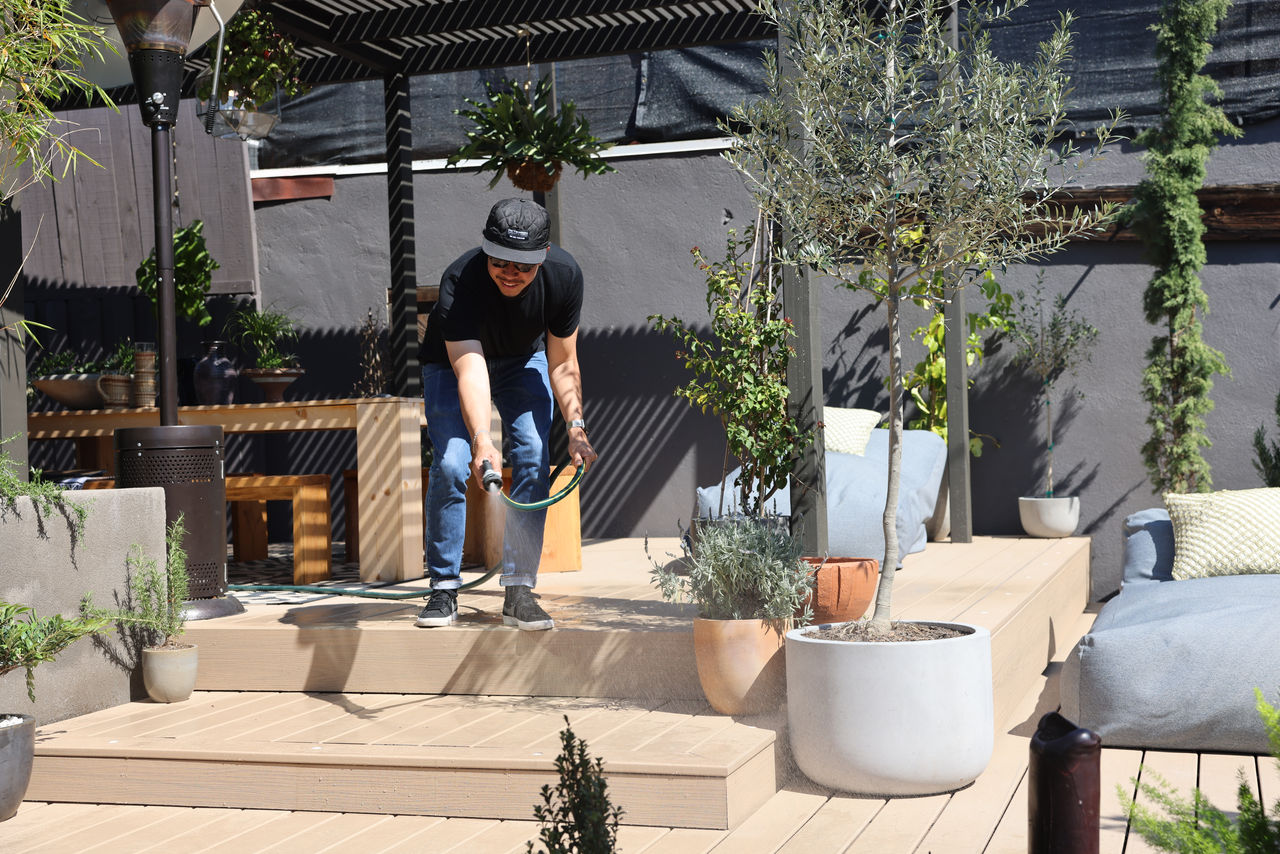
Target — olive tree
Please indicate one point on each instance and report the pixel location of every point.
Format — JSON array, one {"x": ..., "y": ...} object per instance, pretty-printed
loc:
[{"x": 903, "y": 163}]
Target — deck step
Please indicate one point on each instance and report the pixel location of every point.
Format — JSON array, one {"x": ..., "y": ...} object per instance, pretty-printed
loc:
[{"x": 441, "y": 755}]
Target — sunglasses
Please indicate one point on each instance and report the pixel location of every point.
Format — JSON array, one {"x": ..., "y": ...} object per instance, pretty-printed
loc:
[{"x": 501, "y": 264}]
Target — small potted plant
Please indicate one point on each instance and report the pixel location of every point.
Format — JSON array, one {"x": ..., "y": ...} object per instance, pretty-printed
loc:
[
  {"x": 153, "y": 615},
  {"x": 259, "y": 67},
  {"x": 523, "y": 135},
  {"x": 116, "y": 380},
  {"x": 266, "y": 332},
  {"x": 1050, "y": 342},
  {"x": 193, "y": 268},
  {"x": 26, "y": 641},
  {"x": 67, "y": 378},
  {"x": 748, "y": 582}
]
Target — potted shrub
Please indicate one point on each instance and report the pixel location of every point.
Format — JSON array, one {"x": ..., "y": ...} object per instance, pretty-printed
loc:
[
  {"x": 260, "y": 67},
  {"x": 152, "y": 615},
  {"x": 740, "y": 374},
  {"x": 116, "y": 380},
  {"x": 936, "y": 146},
  {"x": 193, "y": 268},
  {"x": 528, "y": 138},
  {"x": 748, "y": 582},
  {"x": 266, "y": 332},
  {"x": 67, "y": 378},
  {"x": 1050, "y": 342},
  {"x": 26, "y": 641}
]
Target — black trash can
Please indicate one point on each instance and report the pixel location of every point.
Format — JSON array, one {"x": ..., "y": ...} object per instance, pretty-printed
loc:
[{"x": 186, "y": 460}]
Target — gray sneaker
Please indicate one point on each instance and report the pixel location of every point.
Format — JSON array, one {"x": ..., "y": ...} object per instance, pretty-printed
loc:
[
  {"x": 441, "y": 610},
  {"x": 521, "y": 609}
]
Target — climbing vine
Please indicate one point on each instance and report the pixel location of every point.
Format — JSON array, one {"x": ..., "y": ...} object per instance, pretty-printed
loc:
[{"x": 1180, "y": 366}]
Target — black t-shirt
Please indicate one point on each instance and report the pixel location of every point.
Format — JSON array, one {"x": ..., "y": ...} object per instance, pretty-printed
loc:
[{"x": 470, "y": 307}]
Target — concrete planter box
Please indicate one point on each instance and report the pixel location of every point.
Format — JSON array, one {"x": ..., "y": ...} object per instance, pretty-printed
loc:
[{"x": 42, "y": 570}]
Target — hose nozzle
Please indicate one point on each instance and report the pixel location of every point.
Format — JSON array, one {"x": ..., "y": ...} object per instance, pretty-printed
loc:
[{"x": 490, "y": 479}]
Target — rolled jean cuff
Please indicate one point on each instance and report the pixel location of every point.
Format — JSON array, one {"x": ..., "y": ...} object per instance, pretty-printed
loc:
[
  {"x": 446, "y": 584},
  {"x": 529, "y": 581}
]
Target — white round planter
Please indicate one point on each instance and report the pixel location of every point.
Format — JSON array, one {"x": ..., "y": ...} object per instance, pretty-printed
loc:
[
  {"x": 1049, "y": 517},
  {"x": 891, "y": 719}
]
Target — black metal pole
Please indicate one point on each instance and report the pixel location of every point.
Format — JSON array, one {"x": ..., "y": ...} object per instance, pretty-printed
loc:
[{"x": 162, "y": 183}]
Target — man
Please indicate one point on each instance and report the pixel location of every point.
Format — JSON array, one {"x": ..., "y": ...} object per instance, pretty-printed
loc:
[{"x": 504, "y": 330}]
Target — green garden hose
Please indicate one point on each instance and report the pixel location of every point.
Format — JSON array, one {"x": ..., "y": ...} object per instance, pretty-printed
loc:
[{"x": 492, "y": 482}]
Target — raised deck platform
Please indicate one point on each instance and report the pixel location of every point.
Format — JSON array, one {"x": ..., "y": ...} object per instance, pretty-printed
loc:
[{"x": 462, "y": 723}]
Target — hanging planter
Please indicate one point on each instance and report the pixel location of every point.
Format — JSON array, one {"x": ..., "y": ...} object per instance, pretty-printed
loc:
[
  {"x": 259, "y": 69},
  {"x": 524, "y": 135}
]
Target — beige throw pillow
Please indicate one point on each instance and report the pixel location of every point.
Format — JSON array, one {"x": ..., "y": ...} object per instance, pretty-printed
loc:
[
  {"x": 847, "y": 431},
  {"x": 1230, "y": 532}
]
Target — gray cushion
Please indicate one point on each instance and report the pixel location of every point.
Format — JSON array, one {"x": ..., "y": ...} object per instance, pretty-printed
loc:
[
  {"x": 1148, "y": 546},
  {"x": 856, "y": 490},
  {"x": 1174, "y": 666}
]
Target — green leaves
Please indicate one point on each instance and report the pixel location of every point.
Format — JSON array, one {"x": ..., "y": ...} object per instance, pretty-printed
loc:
[
  {"x": 576, "y": 815},
  {"x": 741, "y": 568},
  {"x": 27, "y": 640},
  {"x": 43, "y": 44},
  {"x": 511, "y": 126},
  {"x": 156, "y": 597},
  {"x": 257, "y": 60},
  {"x": 266, "y": 331},
  {"x": 740, "y": 368},
  {"x": 193, "y": 268}
]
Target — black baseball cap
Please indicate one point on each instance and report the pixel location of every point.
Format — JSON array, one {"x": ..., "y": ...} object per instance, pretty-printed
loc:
[{"x": 517, "y": 230}]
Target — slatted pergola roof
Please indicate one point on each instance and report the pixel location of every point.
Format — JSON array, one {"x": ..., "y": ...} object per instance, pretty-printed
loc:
[{"x": 342, "y": 40}]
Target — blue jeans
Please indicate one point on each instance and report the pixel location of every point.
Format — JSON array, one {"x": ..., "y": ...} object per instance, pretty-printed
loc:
[{"x": 522, "y": 392}]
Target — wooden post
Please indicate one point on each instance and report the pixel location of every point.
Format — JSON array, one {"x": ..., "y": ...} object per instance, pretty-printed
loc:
[{"x": 402, "y": 331}]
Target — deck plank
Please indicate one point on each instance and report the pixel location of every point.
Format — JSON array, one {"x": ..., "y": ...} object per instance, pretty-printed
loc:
[
  {"x": 190, "y": 829},
  {"x": 685, "y": 840},
  {"x": 1219, "y": 777},
  {"x": 900, "y": 826},
  {"x": 834, "y": 826},
  {"x": 28, "y": 833},
  {"x": 769, "y": 828}
]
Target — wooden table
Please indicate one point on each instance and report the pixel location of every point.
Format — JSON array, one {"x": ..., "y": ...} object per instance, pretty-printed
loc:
[{"x": 388, "y": 456}]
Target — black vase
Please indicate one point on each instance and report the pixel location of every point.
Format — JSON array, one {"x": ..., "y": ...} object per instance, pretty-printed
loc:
[{"x": 215, "y": 376}]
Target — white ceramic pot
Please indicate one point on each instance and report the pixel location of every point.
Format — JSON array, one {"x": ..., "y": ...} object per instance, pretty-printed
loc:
[
  {"x": 169, "y": 675},
  {"x": 891, "y": 719},
  {"x": 1049, "y": 517}
]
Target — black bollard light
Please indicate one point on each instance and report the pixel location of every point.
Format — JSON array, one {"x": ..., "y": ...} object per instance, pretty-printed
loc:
[
  {"x": 1064, "y": 788},
  {"x": 186, "y": 460}
]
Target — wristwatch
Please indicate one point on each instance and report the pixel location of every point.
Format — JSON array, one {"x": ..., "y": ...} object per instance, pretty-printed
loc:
[{"x": 578, "y": 422}]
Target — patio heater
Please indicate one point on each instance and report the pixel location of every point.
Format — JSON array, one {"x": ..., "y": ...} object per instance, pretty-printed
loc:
[{"x": 185, "y": 460}]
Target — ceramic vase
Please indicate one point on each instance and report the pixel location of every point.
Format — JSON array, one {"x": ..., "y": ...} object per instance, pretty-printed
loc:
[
  {"x": 169, "y": 673},
  {"x": 215, "y": 376},
  {"x": 1049, "y": 517},
  {"x": 17, "y": 751}
]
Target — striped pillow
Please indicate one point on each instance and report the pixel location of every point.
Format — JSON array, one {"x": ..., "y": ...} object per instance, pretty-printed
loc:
[{"x": 1230, "y": 532}]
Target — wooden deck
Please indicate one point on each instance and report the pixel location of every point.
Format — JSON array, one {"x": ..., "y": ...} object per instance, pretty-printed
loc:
[{"x": 288, "y": 766}]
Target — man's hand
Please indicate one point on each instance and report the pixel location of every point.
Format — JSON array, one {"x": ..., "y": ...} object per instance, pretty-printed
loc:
[
  {"x": 580, "y": 451},
  {"x": 483, "y": 450}
]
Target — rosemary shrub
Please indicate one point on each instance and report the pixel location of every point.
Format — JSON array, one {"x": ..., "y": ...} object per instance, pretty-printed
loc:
[
  {"x": 27, "y": 640},
  {"x": 153, "y": 608}
]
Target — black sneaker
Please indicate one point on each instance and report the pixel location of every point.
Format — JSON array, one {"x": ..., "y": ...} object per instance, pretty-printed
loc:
[
  {"x": 441, "y": 610},
  {"x": 521, "y": 609}
]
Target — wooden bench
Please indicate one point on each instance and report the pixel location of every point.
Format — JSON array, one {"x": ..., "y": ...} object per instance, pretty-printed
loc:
[{"x": 248, "y": 496}]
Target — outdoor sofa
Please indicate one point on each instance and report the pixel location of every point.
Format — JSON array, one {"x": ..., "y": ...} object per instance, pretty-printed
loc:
[{"x": 1172, "y": 661}]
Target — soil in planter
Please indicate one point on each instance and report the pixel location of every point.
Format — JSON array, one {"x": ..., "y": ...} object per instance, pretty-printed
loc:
[{"x": 897, "y": 633}]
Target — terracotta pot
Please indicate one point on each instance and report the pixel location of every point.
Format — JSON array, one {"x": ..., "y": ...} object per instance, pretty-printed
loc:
[
  {"x": 843, "y": 588},
  {"x": 169, "y": 673},
  {"x": 741, "y": 664},
  {"x": 273, "y": 382}
]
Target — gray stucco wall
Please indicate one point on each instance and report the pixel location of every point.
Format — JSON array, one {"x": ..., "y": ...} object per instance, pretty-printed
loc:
[
  {"x": 632, "y": 232},
  {"x": 40, "y": 569}
]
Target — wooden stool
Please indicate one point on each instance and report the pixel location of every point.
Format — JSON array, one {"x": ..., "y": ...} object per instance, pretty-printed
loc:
[{"x": 248, "y": 495}]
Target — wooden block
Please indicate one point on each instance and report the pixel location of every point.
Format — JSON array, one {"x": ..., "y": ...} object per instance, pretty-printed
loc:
[
  {"x": 249, "y": 530},
  {"x": 309, "y": 494},
  {"x": 311, "y": 533}
]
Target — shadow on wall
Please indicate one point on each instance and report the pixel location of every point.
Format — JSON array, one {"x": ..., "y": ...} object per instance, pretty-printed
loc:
[
  {"x": 1005, "y": 405},
  {"x": 642, "y": 431}
]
